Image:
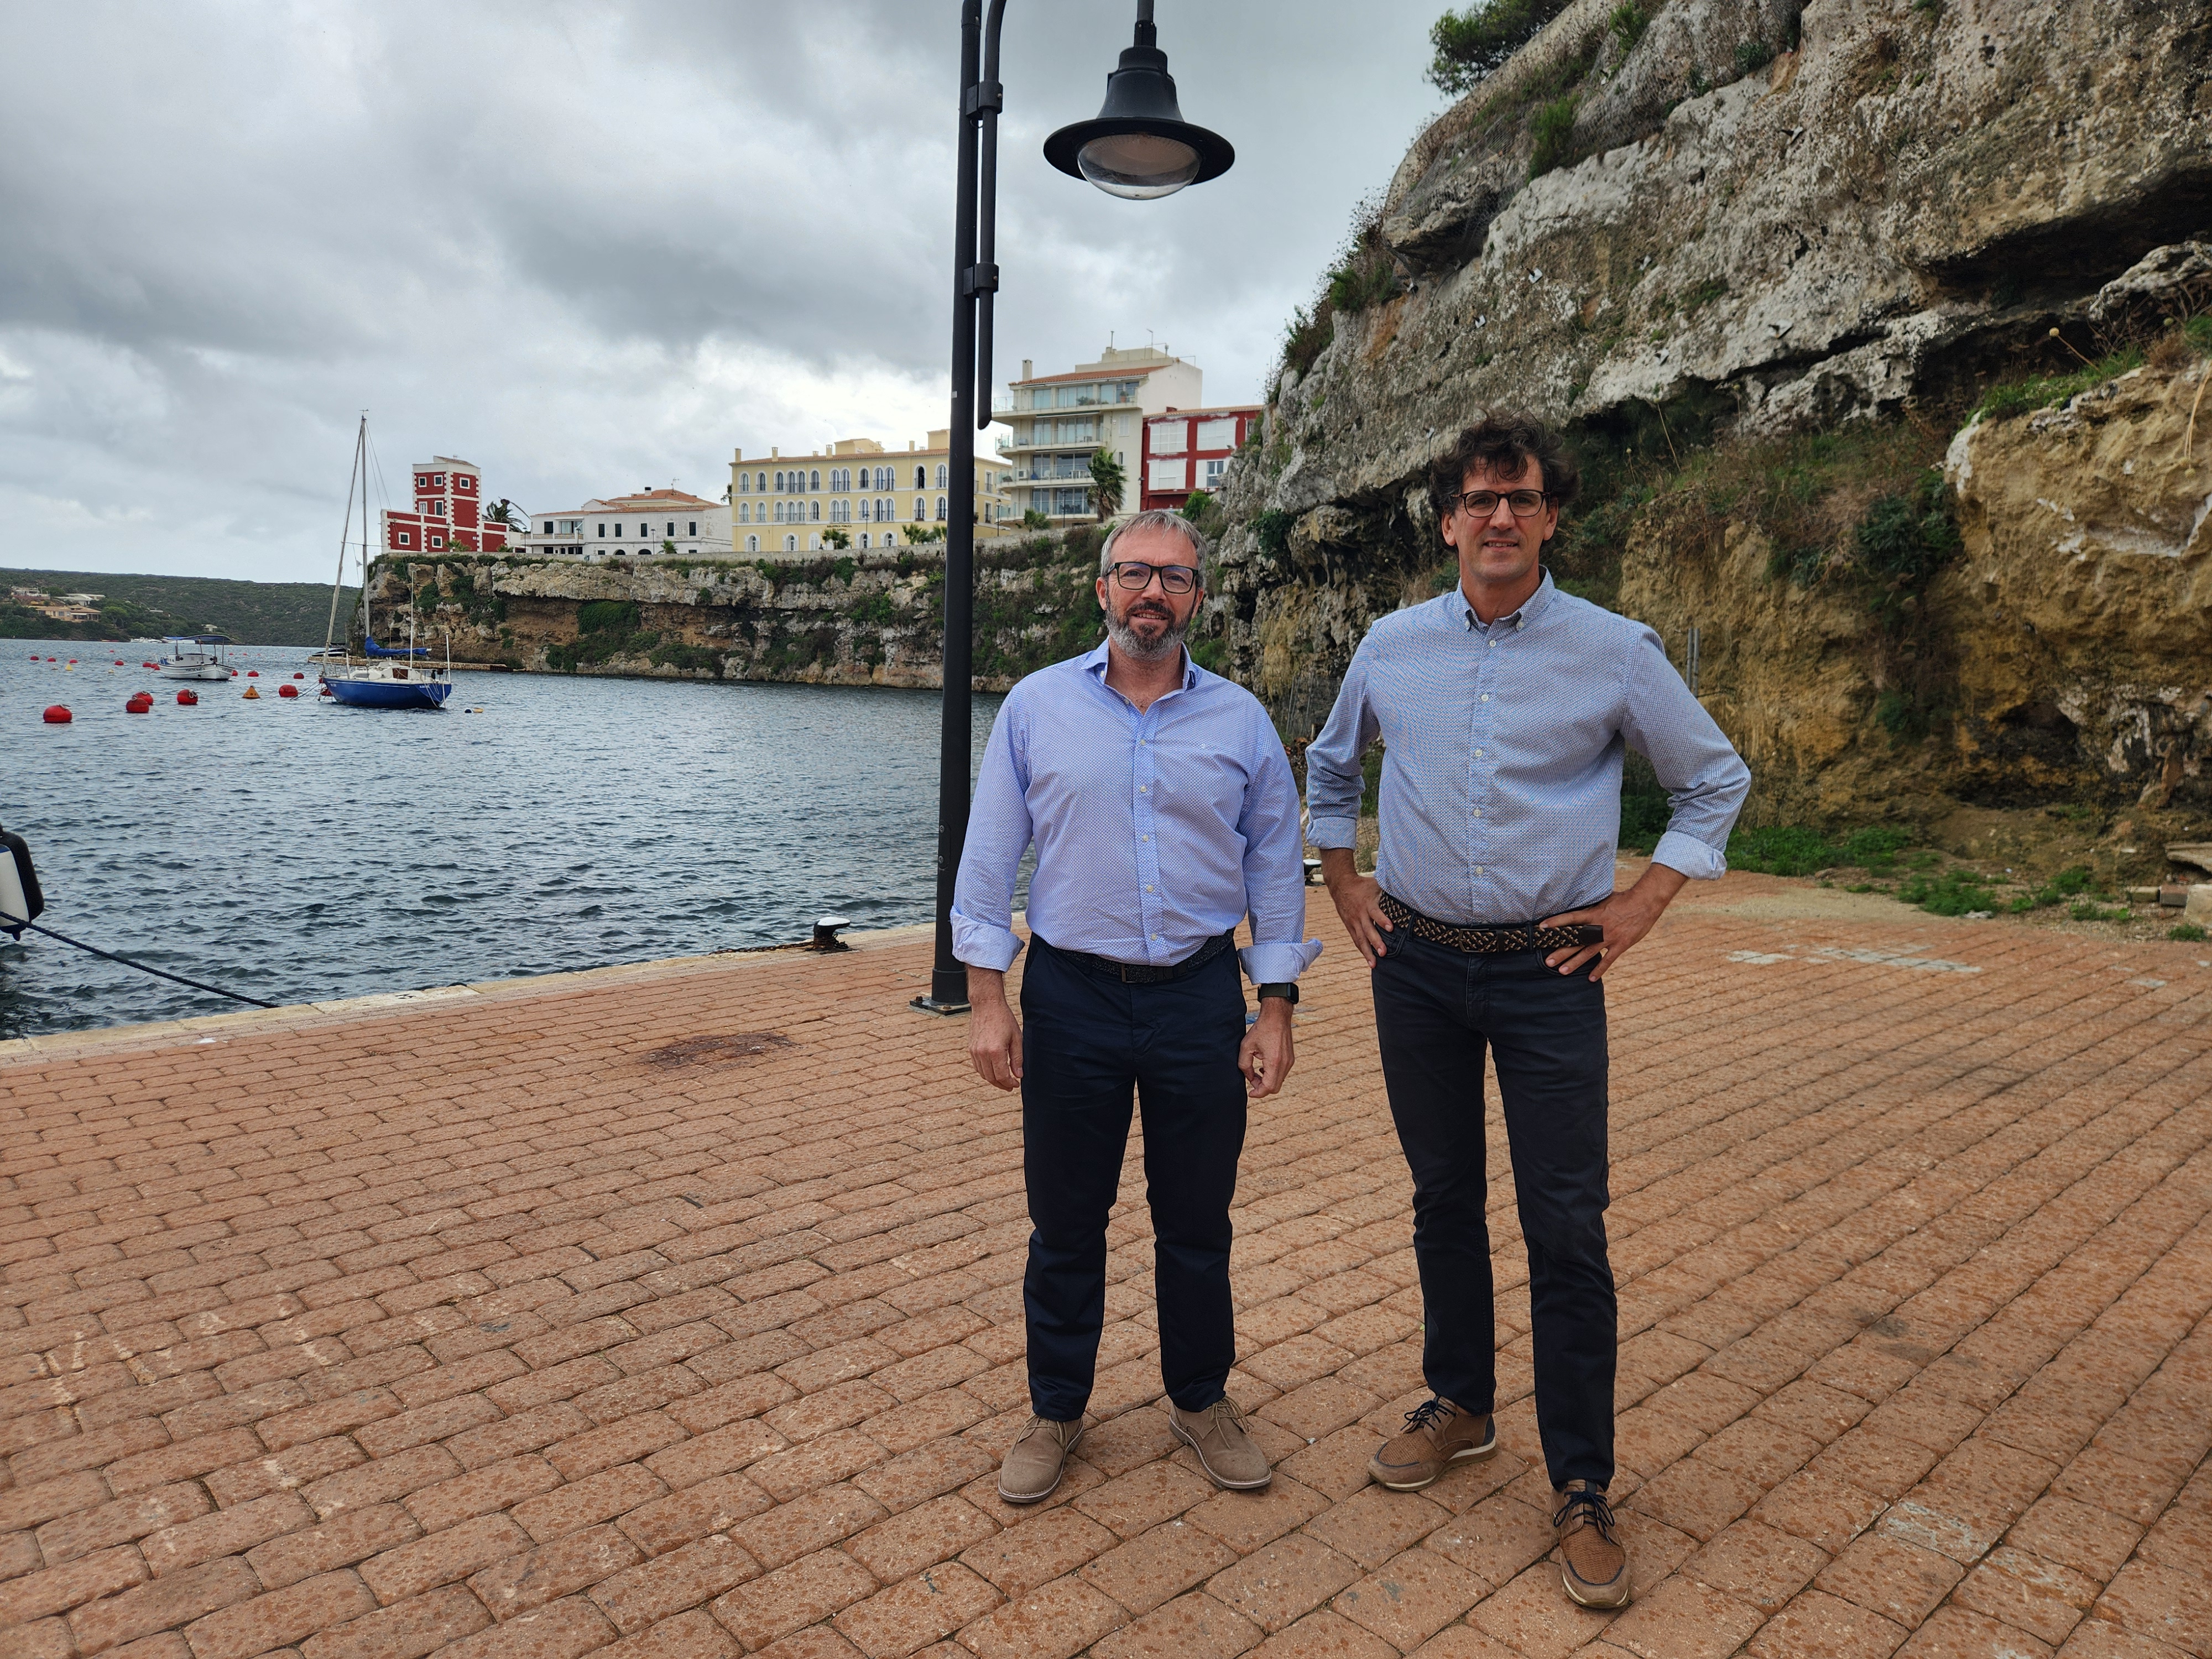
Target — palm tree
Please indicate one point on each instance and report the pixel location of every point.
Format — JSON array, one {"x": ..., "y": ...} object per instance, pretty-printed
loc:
[{"x": 1108, "y": 481}]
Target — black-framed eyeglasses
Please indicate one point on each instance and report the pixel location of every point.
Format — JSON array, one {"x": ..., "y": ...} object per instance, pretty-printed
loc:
[
  {"x": 1481, "y": 503},
  {"x": 1136, "y": 575}
]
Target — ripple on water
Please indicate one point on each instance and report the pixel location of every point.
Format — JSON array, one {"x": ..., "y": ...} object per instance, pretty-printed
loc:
[{"x": 296, "y": 851}]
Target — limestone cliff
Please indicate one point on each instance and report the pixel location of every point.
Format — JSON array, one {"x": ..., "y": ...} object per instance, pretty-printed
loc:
[
  {"x": 1766, "y": 263},
  {"x": 849, "y": 619}
]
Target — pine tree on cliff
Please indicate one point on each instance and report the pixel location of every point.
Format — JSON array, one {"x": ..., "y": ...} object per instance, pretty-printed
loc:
[{"x": 1108, "y": 482}]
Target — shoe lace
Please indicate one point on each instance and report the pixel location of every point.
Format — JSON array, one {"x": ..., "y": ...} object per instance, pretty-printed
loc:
[
  {"x": 1597, "y": 1512},
  {"x": 1428, "y": 1414}
]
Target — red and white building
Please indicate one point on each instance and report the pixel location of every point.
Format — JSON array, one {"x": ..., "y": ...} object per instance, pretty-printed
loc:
[
  {"x": 448, "y": 515},
  {"x": 1187, "y": 449}
]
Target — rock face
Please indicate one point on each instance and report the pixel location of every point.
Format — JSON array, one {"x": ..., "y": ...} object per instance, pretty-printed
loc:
[
  {"x": 1764, "y": 222},
  {"x": 856, "y": 619}
]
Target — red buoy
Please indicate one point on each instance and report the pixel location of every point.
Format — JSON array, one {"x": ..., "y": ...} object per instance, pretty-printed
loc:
[
  {"x": 188, "y": 699},
  {"x": 58, "y": 715},
  {"x": 254, "y": 673},
  {"x": 288, "y": 689},
  {"x": 300, "y": 676},
  {"x": 140, "y": 703}
]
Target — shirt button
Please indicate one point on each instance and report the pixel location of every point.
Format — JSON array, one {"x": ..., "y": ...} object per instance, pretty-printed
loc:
[
  {"x": 1493, "y": 645},
  {"x": 1148, "y": 887},
  {"x": 1478, "y": 869},
  {"x": 1141, "y": 788},
  {"x": 1478, "y": 811},
  {"x": 1477, "y": 753},
  {"x": 1486, "y": 697}
]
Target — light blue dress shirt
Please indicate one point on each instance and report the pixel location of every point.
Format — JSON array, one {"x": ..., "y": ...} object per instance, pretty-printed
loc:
[
  {"x": 1154, "y": 831},
  {"x": 1500, "y": 801}
]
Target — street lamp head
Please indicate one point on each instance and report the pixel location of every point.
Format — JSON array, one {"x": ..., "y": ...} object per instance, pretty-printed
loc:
[{"x": 1139, "y": 147}]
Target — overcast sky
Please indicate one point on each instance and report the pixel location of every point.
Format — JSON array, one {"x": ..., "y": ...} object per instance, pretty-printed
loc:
[{"x": 593, "y": 247}]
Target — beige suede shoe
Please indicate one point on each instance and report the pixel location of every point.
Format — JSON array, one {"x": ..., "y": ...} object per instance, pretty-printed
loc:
[
  {"x": 1224, "y": 1451},
  {"x": 1592, "y": 1563},
  {"x": 1036, "y": 1460},
  {"x": 1438, "y": 1434}
]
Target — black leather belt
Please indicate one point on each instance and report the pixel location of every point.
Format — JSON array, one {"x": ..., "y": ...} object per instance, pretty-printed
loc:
[
  {"x": 1492, "y": 940},
  {"x": 1142, "y": 973}
]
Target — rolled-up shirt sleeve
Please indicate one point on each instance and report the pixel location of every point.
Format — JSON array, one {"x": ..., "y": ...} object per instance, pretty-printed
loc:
[
  {"x": 999, "y": 832},
  {"x": 1706, "y": 780},
  {"x": 1274, "y": 871},
  {"x": 1333, "y": 779}
]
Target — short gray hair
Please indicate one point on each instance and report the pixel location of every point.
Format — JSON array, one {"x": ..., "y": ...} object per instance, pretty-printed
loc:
[{"x": 1161, "y": 518}]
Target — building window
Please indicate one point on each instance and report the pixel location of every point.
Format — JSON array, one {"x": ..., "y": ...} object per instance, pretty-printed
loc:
[
  {"x": 693, "y": 529},
  {"x": 602, "y": 532},
  {"x": 921, "y": 480},
  {"x": 437, "y": 541},
  {"x": 791, "y": 544},
  {"x": 752, "y": 544},
  {"x": 987, "y": 519},
  {"x": 921, "y": 509},
  {"x": 549, "y": 526},
  {"x": 814, "y": 512},
  {"x": 864, "y": 541},
  {"x": 405, "y": 539},
  {"x": 745, "y": 512},
  {"x": 940, "y": 509},
  {"x": 944, "y": 477},
  {"x": 814, "y": 479},
  {"x": 779, "y": 481}
]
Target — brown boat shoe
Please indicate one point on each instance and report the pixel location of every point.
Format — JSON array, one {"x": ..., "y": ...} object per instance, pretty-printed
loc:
[
  {"x": 1225, "y": 1450},
  {"x": 1593, "y": 1564},
  {"x": 1438, "y": 1434},
  {"x": 1034, "y": 1463}
]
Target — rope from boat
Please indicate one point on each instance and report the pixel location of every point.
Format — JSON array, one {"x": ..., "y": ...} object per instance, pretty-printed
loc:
[{"x": 8, "y": 919}]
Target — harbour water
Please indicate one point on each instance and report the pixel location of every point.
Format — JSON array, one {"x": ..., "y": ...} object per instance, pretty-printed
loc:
[{"x": 294, "y": 851}]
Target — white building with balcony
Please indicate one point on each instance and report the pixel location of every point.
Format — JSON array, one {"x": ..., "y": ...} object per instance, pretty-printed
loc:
[
  {"x": 652, "y": 523},
  {"x": 1060, "y": 420}
]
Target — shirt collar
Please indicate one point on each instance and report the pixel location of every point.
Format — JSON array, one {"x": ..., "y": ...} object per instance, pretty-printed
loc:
[
  {"x": 1533, "y": 608},
  {"x": 1094, "y": 665}
]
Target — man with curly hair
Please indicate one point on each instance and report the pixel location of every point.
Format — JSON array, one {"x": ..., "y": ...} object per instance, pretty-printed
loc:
[{"x": 1504, "y": 706}]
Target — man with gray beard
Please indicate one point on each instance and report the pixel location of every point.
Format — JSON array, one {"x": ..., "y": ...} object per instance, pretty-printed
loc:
[{"x": 1163, "y": 812}]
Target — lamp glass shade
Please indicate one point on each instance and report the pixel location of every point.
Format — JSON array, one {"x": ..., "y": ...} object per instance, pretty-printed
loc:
[{"x": 1138, "y": 167}]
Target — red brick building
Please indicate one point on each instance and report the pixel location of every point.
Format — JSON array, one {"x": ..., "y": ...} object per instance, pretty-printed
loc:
[
  {"x": 1187, "y": 449},
  {"x": 448, "y": 515}
]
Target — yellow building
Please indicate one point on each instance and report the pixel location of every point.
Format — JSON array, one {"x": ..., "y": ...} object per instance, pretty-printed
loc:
[{"x": 788, "y": 504}]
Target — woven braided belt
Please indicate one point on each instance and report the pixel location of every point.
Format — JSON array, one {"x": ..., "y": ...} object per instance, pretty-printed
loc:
[{"x": 1490, "y": 941}]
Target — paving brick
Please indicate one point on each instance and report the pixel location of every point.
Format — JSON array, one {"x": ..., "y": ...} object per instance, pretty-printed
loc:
[
  {"x": 517, "y": 1582},
  {"x": 121, "y": 1522},
  {"x": 409, "y": 1630},
  {"x": 1818, "y": 1623},
  {"x": 909, "y": 1616},
  {"x": 560, "y": 1630},
  {"x": 167, "y": 1603},
  {"x": 815, "y": 1587},
  {"x": 715, "y": 1506},
  {"x": 586, "y": 1503},
  {"x": 347, "y": 1537},
  {"x": 442, "y": 1558},
  {"x": 1410, "y": 1598},
  {"x": 1052, "y": 1622},
  {"x": 56, "y": 1589},
  {"x": 282, "y": 1616},
  {"x": 685, "y": 1577},
  {"x": 1195, "y": 1625},
  {"x": 935, "y": 1531}
]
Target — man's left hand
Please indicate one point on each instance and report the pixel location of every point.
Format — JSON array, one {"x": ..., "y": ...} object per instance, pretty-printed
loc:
[
  {"x": 1265, "y": 1057},
  {"x": 1627, "y": 917}
]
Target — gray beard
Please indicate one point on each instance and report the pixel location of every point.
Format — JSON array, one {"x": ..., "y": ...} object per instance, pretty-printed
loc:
[{"x": 1137, "y": 650}]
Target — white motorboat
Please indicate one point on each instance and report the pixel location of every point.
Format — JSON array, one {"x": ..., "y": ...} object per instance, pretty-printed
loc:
[{"x": 197, "y": 657}]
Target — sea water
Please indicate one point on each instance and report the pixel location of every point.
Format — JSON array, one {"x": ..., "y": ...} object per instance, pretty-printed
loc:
[{"x": 295, "y": 851}]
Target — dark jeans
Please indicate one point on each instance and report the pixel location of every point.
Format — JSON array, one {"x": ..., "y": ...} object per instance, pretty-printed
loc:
[
  {"x": 1086, "y": 1039},
  {"x": 1435, "y": 1009}
]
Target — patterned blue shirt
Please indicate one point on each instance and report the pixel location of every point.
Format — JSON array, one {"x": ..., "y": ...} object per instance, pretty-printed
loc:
[
  {"x": 1502, "y": 752},
  {"x": 1154, "y": 831}
]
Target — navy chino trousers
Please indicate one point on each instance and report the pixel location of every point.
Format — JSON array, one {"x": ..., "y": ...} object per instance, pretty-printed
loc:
[
  {"x": 1087, "y": 1039},
  {"x": 1436, "y": 1012}
]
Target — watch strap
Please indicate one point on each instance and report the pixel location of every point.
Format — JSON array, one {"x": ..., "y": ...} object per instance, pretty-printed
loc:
[{"x": 1286, "y": 989}]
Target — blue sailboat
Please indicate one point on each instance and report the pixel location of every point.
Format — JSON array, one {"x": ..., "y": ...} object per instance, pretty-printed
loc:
[{"x": 390, "y": 677}]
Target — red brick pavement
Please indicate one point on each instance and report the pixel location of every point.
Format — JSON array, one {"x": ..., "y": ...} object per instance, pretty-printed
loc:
[{"x": 522, "y": 1324}]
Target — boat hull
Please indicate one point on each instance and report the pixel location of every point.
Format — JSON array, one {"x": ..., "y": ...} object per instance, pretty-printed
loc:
[
  {"x": 197, "y": 670},
  {"x": 390, "y": 694}
]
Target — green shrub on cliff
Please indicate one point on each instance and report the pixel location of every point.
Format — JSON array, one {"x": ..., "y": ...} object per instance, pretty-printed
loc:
[{"x": 1469, "y": 44}]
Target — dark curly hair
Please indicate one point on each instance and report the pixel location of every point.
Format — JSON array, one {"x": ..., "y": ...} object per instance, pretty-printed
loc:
[{"x": 1503, "y": 442}]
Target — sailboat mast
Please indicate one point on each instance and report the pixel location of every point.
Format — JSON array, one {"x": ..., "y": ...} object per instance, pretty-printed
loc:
[{"x": 329, "y": 630}]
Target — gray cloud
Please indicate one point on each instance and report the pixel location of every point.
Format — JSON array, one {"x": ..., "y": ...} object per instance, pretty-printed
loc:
[{"x": 592, "y": 247}]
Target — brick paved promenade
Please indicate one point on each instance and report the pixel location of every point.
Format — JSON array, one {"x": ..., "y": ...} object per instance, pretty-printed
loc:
[{"x": 572, "y": 1318}]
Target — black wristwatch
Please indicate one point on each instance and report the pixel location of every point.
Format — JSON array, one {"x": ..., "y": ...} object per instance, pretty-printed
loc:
[{"x": 1284, "y": 989}]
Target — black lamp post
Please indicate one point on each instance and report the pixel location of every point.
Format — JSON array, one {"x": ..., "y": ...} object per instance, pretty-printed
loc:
[{"x": 1139, "y": 147}]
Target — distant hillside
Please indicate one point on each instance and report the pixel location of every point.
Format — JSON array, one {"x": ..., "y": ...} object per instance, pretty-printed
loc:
[{"x": 254, "y": 613}]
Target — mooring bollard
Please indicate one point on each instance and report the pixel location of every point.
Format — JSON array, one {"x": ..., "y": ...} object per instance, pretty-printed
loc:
[{"x": 825, "y": 934}]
